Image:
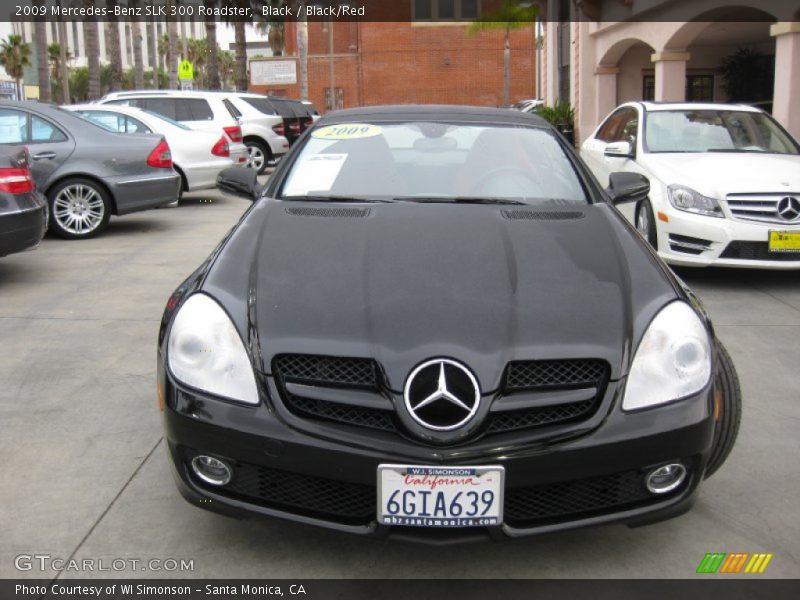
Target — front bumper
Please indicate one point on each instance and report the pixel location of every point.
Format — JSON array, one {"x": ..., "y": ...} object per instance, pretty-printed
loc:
[
  {"x": 594, "y": 477},
  {"x": 730, "y": 242}
]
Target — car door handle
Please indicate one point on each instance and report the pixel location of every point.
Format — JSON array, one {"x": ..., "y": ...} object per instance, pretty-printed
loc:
[{"x": 44, "y": 155}]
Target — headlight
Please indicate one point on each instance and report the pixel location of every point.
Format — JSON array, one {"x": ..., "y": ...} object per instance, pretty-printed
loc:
[
  {"x": 206, "y": 352},
  {"x": 684, "y": 198},
  {"x": 673, "y": 359}
]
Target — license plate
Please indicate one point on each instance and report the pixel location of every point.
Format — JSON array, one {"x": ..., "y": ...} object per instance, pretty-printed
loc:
[
  {"x": 784, "y": 241},
  {"x": 425, "y": 496}
]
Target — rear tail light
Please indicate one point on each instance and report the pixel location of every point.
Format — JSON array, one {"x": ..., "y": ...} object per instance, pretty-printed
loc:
[
  {"x": 161, "y": 156},
  {"x": 235, "y": 133},
  {"x": 221, "y": 148},
  {"x": 16, "y": 181},
  {"x": 279, "y": 129}
]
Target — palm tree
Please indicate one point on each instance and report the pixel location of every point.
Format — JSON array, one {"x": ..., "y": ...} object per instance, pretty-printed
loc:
[
  {"x": 40, "y": 31},
  {"x": 91, "y": 42},
  {"x": 197, "y": 54},
  {"x": 172, "y": 53},
  {"x": 227, "y": 66},
  {"x": 512, "y": 14},
  {"x": 152, "y": 50},
  {"x": 63, "y": 54},
  {"x": 113, "y": 49},
  {"x": 240, "y": 45},
  {"x": 138, "y": 63},
  {"x": 57, "y": 60},
  {"x": 15, "y": 55},
  {"x": 212, "y": 71}
]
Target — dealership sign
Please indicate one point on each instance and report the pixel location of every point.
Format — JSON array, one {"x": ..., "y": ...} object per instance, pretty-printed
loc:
[{"x": 273, "y": 72}]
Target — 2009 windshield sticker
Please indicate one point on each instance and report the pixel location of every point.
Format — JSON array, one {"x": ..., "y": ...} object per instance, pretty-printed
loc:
[{"x": 347, "y": 131}]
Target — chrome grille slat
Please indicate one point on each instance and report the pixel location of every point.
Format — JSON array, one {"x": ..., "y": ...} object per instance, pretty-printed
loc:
[{"x": 762, "y": 208}]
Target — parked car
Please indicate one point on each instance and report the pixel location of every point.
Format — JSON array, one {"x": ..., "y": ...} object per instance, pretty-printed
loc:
[
  {"x": 86, "y": 172},
  {"x": 23, "y": 210},
  {"x": 529, "y": 105},
  {"x": 262, "y": 129},
  {"x": 296, "y": 117},
  {"x": 312, "y": 110},
  {"x": 433, "y": 317},
  {"x": 201, "y": 111},
  {"x": 197, "y": 156},
  {"x": 724, "y": 181}
]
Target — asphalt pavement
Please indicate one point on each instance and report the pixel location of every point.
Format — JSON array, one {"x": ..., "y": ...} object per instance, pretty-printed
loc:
[{"x": 85, "y": 472}]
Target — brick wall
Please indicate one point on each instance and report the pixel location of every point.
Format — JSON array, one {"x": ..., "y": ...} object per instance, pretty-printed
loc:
[{"x": 380, "y": 63}]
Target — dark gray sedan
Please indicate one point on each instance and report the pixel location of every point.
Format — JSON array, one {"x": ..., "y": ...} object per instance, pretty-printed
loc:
[
  {"x": 86, "y": 172},
  {"x": 23, "y": 210}
]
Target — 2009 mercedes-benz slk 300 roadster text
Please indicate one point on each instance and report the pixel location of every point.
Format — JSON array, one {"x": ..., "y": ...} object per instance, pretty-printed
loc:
[{"x": 434, "y": 323}]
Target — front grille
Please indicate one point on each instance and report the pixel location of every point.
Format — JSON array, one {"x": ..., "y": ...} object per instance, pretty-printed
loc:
[
  {"x": 523, "y": 375},
  {"x": 537, "y": 417},
  {"x": 538, "y": 505},
  {"x": 363, "y": 374},
  {"x": 343, "y": 413},
  {"x": 756, "y": 251},
  {"x": 302, "y": 494},
  {"x": 762, "y": 208},
  {"x": 330, "y": 370}
]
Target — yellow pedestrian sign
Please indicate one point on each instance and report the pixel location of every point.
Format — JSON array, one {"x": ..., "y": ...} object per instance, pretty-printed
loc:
[{"x": 185, "y": 71}]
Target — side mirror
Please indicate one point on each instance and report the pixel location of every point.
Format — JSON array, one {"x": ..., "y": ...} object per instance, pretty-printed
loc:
[
  {"x": 627, "y": 187},
  {"x": 619, "y": 150},
  {"x": 239, "y": 181}
]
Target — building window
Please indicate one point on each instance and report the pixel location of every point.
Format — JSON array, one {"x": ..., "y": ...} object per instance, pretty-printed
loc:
[
  {"x": 700, "y": 88},
  {"x": 445, "y": 10},
  {"x": 339, "y": 102},
  {"x": 649, "y": 87}
]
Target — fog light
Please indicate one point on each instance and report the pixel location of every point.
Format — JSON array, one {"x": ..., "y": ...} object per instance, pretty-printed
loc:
[
  {"x": 211, "y": 470},
  {"x": 665, "y": 478}
]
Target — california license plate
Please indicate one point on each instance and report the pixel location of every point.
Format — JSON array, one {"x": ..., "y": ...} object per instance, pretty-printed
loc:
[
  {"x": 784, "y": 241},
  {"x": 425, "y": 496}
]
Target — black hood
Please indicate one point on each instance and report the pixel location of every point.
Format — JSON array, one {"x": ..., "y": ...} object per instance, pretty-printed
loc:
[{"x": 405, "y": 282}]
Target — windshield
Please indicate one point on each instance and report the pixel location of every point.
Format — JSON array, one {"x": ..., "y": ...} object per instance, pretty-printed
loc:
[
  {"x": 425, "y": 160},
  {"x": 715, "y": 131}
]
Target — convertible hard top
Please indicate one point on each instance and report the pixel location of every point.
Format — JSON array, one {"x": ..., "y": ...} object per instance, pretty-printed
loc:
[{"x": 435, "y": 112}]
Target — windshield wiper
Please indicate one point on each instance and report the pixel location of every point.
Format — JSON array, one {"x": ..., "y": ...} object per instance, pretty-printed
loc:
[
  {"x": 457, "y": 200},
  {"x": 335, "y": 198}
]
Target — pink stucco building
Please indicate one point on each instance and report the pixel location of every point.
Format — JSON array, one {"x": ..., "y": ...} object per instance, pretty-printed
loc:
[{"x": 600, "y": 53}]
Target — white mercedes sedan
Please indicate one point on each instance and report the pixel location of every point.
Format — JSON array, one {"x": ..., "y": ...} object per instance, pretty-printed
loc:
[
  {"x": 724, "y": 181},
  {"x": 198, "y": 156}
]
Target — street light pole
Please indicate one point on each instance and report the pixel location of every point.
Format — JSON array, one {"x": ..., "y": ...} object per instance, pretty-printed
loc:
[{"x": 332, "y": 67}]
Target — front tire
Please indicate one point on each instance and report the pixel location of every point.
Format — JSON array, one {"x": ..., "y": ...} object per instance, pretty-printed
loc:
[
  {"x": 258, "y": 156},
  {"x": 727, "y": 410},
  {"x": 79, "y": 208},
  {"x": 645, "y": 223}
]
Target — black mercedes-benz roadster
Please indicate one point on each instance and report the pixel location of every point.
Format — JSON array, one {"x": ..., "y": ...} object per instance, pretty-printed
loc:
[{"x": 434, "y": 323}]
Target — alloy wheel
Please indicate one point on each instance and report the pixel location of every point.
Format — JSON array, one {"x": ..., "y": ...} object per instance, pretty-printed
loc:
[
  {"x": 79, "y": 209},
  {"x": 256, "y": 157}
]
